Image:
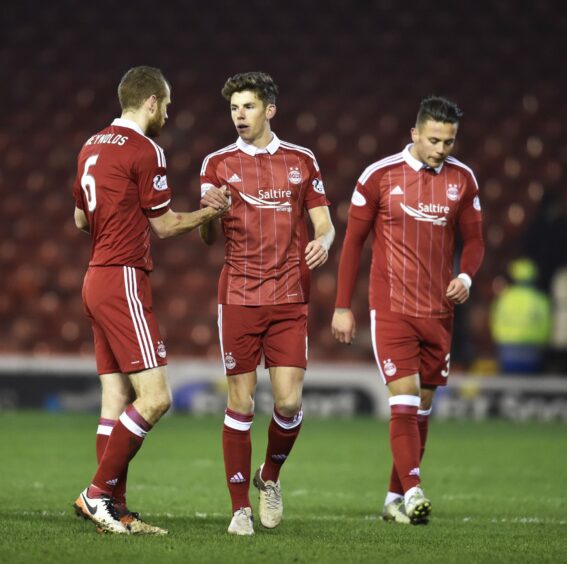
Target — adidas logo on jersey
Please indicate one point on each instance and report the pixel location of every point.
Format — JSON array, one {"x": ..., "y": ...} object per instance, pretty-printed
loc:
[
  {"x": 234, "y": 178},
  {"x": 397, "y": 191},
  {"x": 238, "y": 478}
]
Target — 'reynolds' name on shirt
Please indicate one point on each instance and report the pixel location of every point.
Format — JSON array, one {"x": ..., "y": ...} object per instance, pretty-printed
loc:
[{"x": 108, "y": 138}]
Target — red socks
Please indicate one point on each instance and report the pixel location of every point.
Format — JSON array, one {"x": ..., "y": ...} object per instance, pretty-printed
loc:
[
  {"x": 423, "y": 427},
  {"x": 122, "y": 445},
  {"x": 237, "y": 450},
  {"x": 104, "y": 429},
  {"x": 281, "y": 436},
  {"x": 405, "y": 442}
]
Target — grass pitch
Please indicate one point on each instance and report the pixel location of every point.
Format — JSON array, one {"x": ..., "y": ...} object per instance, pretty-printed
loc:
[{"x": 498, "y": 492}]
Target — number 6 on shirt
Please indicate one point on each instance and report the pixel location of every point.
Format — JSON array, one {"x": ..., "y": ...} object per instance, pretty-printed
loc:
[{"x": 88, "y": 183}]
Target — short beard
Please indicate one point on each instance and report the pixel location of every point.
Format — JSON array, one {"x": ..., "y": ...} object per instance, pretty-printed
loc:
[{"x": 154, "y": 128}]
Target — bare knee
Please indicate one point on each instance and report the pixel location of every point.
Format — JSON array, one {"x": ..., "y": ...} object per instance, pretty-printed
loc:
[
  {"x": 162, "y": 403},
  {"x": 241, "y": 390},
  {"x": 289, "y": 405},
  {"x": 241, "y": 403},
  {"x": 153, "y": 407}
]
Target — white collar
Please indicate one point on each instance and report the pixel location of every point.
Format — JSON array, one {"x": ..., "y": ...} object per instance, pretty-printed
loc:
[
  {"x": 416, "y": 164},
  {"x": 121, "y": 122},
  {"x": 252, "y": 150}
]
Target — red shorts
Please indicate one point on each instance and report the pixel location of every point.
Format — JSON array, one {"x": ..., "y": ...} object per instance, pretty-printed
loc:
[
  {"x": 278, "y": 331},
  {"x": 405, "y": 345},
  {"x": 118, "y": 301}
]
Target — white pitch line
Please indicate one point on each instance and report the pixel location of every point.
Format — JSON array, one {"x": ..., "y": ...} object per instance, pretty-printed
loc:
[{"x": 523, "y": 520}]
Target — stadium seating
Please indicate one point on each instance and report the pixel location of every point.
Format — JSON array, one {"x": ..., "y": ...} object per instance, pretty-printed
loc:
[{"x": 350, "y": 80}]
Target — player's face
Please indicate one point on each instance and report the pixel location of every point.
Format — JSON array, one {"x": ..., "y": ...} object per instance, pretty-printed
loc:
[
  {"x": 433, "y": 141},
  {"x": 158, "y": 120},
  {"x": 251, "y": 117}
]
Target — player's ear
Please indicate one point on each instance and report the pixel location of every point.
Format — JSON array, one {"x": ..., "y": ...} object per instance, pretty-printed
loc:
[
  {"x": 270, "y": 111},
  {"x": 414, "y": 134},
  {"x": 152, "y": 103}
]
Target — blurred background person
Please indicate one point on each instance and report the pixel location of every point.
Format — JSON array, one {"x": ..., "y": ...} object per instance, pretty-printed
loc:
[{"x": 520, "y": 321}]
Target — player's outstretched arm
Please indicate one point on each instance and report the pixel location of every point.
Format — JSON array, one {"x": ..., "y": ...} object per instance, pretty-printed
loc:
[
  {"x": 215, "y": 198},
  {"x": 175, "y": 223},
  {"x": 317, "y": 251},
  {"x": 343, "y": 325}
]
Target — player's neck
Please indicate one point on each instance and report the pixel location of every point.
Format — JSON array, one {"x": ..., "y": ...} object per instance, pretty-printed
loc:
[
  {"x": 264, "y": 140},
  {"x": 414, "y": 154},
  {"x": 137, "y": 117}
]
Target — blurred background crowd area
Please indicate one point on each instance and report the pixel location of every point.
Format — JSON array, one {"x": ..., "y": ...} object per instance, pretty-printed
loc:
[{"x": 351, "y": 75}]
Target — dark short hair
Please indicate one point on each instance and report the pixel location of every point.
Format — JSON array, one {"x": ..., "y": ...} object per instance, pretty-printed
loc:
[
  {"x": 138, "y": 84},
  {"x": 437, "y": 108},
  {"x": 259, "y": 82}
]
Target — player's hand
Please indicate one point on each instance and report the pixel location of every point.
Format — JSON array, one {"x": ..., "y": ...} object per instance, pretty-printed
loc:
[
  {"x": 343, "y": 326},
  {"x": 216, "y": 198},
  {"x": 457, "y": 291},
  {"x": 316, "y": 254}
]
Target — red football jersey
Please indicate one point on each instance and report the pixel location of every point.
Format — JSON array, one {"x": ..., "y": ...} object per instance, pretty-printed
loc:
[
  {"x": 121, "y": 181},
  {"x": 265, "y": 228},
  {"x": 416, "y": 212}
]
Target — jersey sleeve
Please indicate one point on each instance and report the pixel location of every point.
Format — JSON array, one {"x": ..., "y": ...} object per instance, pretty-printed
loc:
[
  {"x": 470, "y": 204},
  {"x": 315, "y": 195},
  {"x": 470, "y": 228},
  {"x": 155, "y": 194},
  {"x": 78, "y": 191},
  {"x": 209, "y": 178},
  {"x": 356, "y": 234},
  {"x": 364, "y": 203}
]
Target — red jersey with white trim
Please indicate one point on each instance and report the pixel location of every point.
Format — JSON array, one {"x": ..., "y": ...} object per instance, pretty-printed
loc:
[
  {"x": 121, "y": 181},
  {"x": 265, "y": 228},
  {"x": 416, "y": 212}
]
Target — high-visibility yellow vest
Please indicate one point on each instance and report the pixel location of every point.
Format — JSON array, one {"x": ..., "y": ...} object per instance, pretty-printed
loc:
[{"x": 521, "y": 315}]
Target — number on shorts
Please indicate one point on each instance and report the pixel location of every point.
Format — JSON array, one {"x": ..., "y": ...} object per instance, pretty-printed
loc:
[{"x": 445, "y": 373}]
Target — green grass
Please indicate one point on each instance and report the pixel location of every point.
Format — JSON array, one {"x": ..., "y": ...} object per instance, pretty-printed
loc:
[{"x": 498, "y": 492}]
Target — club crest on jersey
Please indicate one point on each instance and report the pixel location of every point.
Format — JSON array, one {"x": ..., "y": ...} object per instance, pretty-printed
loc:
[
  {"x": 162, "y": 353},
  {"x": 229, "y": 361},
  {"x": 318, "y": 186},
  {"x": 453, "y": 192},
  {"x": 294, "y": 176},
  {"x": 390, "y": 368},
  {"x": 160, "y": 182}
]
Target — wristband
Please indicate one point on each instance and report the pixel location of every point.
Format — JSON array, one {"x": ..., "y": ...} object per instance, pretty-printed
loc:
[
  {"x": 465, "y": 279},
  {"x": 205, "y": 188}
]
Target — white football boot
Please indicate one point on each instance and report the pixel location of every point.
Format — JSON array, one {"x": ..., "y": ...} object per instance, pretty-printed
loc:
[
  {"x": 271, "y": 504},
  {"x": 418, "y": 507},
  {"x": 101, "y": 512},
  {"x": 395, "y": 512},
  {"x": 242, "y": 522}
]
